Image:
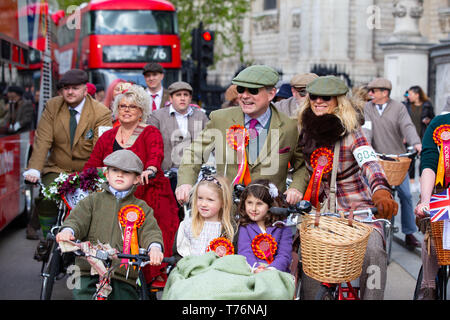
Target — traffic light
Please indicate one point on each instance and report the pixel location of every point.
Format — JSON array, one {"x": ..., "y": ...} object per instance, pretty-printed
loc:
[{"x": 206, "y": 52}]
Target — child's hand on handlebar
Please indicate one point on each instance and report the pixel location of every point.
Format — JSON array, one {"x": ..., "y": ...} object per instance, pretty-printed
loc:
[
  {"x": 156, "y": 256},
  {"x": 65, "y": 235}
]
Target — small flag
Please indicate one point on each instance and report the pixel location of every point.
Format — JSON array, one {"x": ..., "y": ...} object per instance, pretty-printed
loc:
[{"x": 440, "y": 206}]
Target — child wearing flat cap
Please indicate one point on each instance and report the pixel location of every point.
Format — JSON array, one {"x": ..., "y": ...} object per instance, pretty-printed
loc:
[{"x": 107, "y": 217}]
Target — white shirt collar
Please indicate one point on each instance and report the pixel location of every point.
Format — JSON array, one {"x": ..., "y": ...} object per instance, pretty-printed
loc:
[
  {"x": 79, "y": 107},
  {"x": 172, "y": 110}
]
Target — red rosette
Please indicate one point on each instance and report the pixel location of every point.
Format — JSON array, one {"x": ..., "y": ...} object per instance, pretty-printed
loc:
[
  {"x": 131, "y": 213},
  {"x": 316, "y": 157},
  {"x": 437, "y": 134},
  {"x": 234, "y": 132},
  {"x": 222, "y": 246},
  {"x": 264, "y": 246}
]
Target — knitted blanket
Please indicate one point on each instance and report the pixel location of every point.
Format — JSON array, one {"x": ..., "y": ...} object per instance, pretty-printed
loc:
[{"x": 208, "y": 277}]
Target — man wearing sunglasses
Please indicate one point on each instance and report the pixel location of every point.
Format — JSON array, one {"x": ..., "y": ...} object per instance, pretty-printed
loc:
[
  {"x": 272, "y": 143},
  {"x": 387, "y": 123},
  {"x": 292, "y": 105}
]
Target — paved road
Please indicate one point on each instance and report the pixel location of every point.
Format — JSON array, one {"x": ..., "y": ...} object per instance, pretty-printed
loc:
[{"x": 20, "y": 278}]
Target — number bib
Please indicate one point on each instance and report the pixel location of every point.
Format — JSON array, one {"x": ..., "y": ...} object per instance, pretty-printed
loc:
[{"x": 364, "y": 154}]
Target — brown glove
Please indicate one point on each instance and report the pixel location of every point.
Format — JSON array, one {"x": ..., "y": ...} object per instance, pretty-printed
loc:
[{"x": 385, "y": 204}]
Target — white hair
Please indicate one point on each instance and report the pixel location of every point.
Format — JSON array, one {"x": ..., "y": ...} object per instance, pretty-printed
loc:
[{"x": 138, "y": 96}]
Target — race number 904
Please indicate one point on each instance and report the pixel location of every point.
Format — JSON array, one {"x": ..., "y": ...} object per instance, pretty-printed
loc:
[{"x": 364, "y": 154}]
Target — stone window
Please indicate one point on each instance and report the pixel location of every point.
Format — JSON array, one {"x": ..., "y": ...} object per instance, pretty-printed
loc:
[{"x": 270, "y": 4}]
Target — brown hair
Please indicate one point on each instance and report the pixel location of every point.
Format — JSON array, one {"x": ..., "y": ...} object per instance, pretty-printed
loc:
[{"x": 260, "y": 190}]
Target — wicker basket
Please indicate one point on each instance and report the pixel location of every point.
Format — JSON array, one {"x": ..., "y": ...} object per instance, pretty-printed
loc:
[
  {"x": 443, "y": 256},
  {"x": 333, "y": 252},
  {"x": 396, "y": 170}
]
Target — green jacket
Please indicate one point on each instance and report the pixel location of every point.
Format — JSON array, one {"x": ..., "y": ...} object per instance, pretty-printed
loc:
[
  {"x": 95, "y": 219},
  {"x": 280, "y": 149}
]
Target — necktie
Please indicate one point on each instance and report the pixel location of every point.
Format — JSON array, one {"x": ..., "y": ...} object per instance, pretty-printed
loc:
[
  {"x": 154, "y": 103},
  {"x": 380, "y": 107},
  {"x": 252, "y": 129},
  {"x": 72, "y": 124}
]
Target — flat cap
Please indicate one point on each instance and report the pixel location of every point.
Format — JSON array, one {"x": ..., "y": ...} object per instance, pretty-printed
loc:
[
  {"x": 327, "y": 86},
  {"x": 302, "y": 80},
  {"x": 153, "y": 67},
  {"x": 179, "y": 85},
  {"x": 284, "y": 91},
  {"x": 125, "y": 160},
  {"x": 257, "y": 76},
  {"x": 16, "y": 89},
  {"x": 74, "y": 76},
  {"x": 380, "y": 83}
]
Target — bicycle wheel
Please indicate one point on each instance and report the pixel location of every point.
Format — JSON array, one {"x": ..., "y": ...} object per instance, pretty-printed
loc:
[
  {"x": 326, "y": 293},
  {"x": 50, "y": 272},
  {"x": 389, "y": 235},
  {"x": 418, "y": 283},
  {"x": 441, "y": 283}
]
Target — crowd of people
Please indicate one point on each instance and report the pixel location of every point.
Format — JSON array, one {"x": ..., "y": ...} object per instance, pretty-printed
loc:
[{"x": 260, "y": 136}]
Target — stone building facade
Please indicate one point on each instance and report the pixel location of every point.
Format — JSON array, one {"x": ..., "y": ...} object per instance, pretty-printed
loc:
[{"x": 293, "y": 36}]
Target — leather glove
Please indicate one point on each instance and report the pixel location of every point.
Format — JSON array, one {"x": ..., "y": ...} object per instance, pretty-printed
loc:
[{"x": 385, "y": 204}]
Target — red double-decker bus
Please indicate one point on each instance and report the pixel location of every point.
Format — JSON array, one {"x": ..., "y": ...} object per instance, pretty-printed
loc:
[
  {"x": 115, "y": 39},
  {"x": 23, "y": 46}
]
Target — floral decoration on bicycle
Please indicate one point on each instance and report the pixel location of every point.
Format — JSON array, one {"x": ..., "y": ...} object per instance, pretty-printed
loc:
[
  {"x": 264, "y": 246},
  {"x": 441, "y": 136},
  {"x": 221, "y": 246},
  {"x": 238, "y": 138},
  {"x": 70, "y": 188},
  {"x": 131, "y": 218},
  {"x": 322, "y": 162}
]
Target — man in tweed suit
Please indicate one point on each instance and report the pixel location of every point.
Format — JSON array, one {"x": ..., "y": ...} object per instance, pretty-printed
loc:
[
  {"x": 66, "y": 134},
  {"x": 272, "y": 146}
]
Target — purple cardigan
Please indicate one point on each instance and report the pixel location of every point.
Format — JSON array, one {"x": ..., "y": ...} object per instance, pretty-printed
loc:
[{"x": 283, "y": 236}]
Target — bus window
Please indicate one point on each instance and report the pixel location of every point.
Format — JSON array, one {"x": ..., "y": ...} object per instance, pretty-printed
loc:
[{"x": 133, "y": 22}]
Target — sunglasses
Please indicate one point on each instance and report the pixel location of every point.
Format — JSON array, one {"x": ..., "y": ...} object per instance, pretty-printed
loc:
[
  {"x": 211, "y": 179},
  {"x": 375, "y": 90},
  {"x": 302, "y": 92},
  {"x": 314, "y": 97},
  {"x": 252, "y": 91},
  {"x": 130, "y": 107}
]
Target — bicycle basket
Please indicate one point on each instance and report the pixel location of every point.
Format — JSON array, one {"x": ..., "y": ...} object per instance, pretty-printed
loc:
[
  {"x": 396, "y": 170},
  {"x": 333, "y": 251},
  {"x": 443, "y": 256}
]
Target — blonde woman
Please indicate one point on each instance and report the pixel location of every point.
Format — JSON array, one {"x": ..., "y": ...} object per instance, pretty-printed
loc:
[
  {"x": 329, "y": 117},
  {"x": 211, "y": 217}
]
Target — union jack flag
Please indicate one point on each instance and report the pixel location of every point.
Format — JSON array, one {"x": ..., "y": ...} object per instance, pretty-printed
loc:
[{"x": 440, "y": 206}]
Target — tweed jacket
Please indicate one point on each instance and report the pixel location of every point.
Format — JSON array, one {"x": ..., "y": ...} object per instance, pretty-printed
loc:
[
  {"x": 280, "y": 148},
  {"x": 174, "y": 140},
  {"x": 95, "y": 218},
  {"x": 386, "y": 132},
  {"x": 288, "y": 106},
  {"x": 53, "y": 135}
]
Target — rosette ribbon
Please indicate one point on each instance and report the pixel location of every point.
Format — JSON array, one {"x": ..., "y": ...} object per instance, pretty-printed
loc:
[
  {"x": 264, "y": 246},
  {"x": 441, "y": 136},
  {"x": 131, "y": 217},
  {"x": 237, "y": 138},
  {"x": 322, "y": 163},
  {"x": 221, "y": 246}
]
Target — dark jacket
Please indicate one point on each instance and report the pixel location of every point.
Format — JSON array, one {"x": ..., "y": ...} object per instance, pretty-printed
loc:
[{"x": 427, "y": 112}]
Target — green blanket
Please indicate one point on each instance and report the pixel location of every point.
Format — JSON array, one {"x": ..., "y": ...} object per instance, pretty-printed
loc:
[{"x": 208, "y": 277}]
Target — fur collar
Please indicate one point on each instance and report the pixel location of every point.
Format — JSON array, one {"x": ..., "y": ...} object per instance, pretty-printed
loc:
[{"x": 319, "y": 131}]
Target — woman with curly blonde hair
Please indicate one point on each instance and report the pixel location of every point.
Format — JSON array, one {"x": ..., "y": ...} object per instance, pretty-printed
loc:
[
  {"x": 330, "y": 128},
  {"x": 131, "y": 108}
]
